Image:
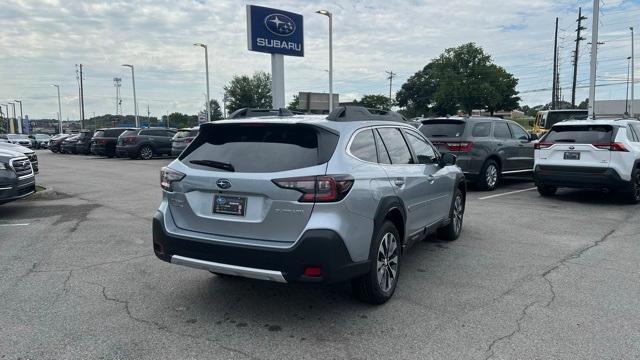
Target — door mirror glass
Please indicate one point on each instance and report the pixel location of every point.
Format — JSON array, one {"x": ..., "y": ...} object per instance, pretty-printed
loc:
[{"x": 447, "y": 159}]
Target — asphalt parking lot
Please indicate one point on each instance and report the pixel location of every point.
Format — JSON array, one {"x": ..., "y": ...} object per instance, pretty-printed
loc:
[{"x": 530, "y": 277}]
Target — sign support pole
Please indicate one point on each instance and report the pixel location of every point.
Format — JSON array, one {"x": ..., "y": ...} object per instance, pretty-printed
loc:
[{"x": 277, "y": 81}]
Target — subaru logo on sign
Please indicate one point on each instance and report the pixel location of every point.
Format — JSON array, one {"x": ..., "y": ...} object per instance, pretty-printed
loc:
[
  {"x": 223, "y": 183},
  {"x": 280, "y": 24}
]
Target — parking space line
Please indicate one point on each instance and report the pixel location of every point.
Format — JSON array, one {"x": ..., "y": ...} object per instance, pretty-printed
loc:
[
  {"x": 507, "y": 193},
  {"x": 14, "y": 225}
]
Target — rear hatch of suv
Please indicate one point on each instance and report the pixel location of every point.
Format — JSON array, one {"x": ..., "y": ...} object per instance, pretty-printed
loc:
[
  {"x": 243, "y": 180},
  {"x": 586, "y": 146},
  {"x": 446, "y": 134}
]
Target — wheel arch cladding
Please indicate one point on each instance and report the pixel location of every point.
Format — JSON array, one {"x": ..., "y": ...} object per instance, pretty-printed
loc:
[
  {"x": 390, "y": 208},
  {"x": 497, "y": 159}
]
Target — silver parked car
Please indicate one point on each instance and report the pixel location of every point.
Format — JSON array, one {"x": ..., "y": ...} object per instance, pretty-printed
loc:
[{"x": 308, "y": 199}]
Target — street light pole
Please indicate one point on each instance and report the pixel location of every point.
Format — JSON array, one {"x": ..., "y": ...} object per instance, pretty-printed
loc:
[
  {"x": 206, "y": 64},
  {"x": 330, "y": 16},
  {"x": 135, "y": 101},
  {"x": 20, "y": 130},
  {"x": 633, "y": 78},
  {"x": 626, "y": 98},
  {"x": 59, "y": 108}
]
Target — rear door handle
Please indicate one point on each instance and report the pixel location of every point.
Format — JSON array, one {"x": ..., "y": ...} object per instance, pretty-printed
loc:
[{"x": 398, "y": 182}]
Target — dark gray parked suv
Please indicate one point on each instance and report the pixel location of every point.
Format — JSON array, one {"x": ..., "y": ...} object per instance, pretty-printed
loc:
[
  {"x": 308, "y": 199},
  {"x": 144, "y": 143},
  {"x": 487, "y": 148},
  {"x": 17, "y": 178}
]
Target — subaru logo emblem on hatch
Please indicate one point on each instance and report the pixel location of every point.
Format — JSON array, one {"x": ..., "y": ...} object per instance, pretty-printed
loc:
[
  {"x": 279, "y": 24},
  {"x": 571, "y": 147},
  {"x": 223, "y": 183}
]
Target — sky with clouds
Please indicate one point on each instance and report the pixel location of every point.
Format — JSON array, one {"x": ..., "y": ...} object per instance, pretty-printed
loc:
[{"x": 42, "y": 40}]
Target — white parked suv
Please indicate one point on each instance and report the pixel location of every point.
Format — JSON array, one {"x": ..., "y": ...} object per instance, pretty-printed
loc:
[{"x": 602, "y": 154}]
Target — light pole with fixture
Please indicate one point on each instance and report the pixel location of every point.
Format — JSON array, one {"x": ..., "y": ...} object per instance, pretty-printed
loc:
[
  {"x": 59, "y": 108},
  {"x": 206, "y": 64},
  {"x": 633, "y": 78},
  {"x": 20, "y": 130},
  {"x": 135, "y": 101},
  {"x": 330, "y": 16}
]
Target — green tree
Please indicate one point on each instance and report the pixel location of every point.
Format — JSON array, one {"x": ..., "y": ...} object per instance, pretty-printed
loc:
[
  {"x": 294, "y": 105},
  {"x": 584, "y": 105},
  {"x": 379, "y": 102},
  {"x": 216, "y": 111},
  {"x": 244, "y": 91},
  {"x": 461, "y": 78},
  {"x": 179, "y": 120}
]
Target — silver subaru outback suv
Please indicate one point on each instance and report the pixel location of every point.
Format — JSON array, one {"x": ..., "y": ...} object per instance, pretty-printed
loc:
[{"x": 308, "y": 198}]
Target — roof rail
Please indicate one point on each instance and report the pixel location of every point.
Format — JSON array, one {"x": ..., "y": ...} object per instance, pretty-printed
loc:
[
  {"x": 359, "y": 113},
  {"x": 257, "y": 112}
]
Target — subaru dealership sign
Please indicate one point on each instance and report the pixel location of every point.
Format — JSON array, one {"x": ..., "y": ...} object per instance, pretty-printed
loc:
[{"x": 274, "y": 31}]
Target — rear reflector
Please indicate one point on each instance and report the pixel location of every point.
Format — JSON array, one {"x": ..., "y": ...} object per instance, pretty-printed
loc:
[
  {"x": 313, "y": 271},
  {"x": 318, "y": 188}
]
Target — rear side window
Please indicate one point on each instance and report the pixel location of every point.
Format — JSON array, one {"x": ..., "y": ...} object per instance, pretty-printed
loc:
[
  {"x": 112, "y": 132},
  {"x": 383, "y": 155},
  {"x": 518, "y": 132},
  {"x": 181, "y": 134},
  {"x": 129, "y": 133},
  {"x": 99, "y": 133},
  {"x": 261, "y": 148},
  {"x": 364, "y": 147},
  {"x": 396, "y": 146},
  {"x": 482, "y": 129},
  {"x": 442, "y": 128},
  {"x": 634, "y": 131},
  {"x": 501, "y": 131},
  {"x": 580, "y": 134}
]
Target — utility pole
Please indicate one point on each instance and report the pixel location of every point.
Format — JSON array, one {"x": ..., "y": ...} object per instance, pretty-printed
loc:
[
  {"x": 390, "y": 78},
  {"x": 626, "y": 98},
  {"x": 81, "y": 99},
  {"x": 148, "y": 115},
  {"x": 20, "y": 130},
  {"x": 554, "y": 93},
  {"x": 575, "y": 56},
  {"x": 594, "y": 58},
  {"x": 633, "y": 78},
  {"x": 117, "y": 83}
]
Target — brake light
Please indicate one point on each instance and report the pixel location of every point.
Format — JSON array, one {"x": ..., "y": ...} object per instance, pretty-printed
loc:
[
  {"x": 542, "y": 145},
  {"x": 464, "y": 146},
  {"x": 168, "y": 176},
  {"x": 318, "y": 188},
  {"x": 103, "y": 142},
  {"x": 129, "y": 140},
  {"x": 614, "y": 146},
  {"x": 188, "y": 140}
]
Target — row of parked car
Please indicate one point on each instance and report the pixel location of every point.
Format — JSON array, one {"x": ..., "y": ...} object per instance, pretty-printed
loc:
[{"x": 135, "y": 143}]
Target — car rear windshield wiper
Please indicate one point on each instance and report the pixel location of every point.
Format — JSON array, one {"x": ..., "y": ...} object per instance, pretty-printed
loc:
[
  {"x": 214, "y": 164},
  {"x": 439, "y": 135},
  {"x": 566, "y": 140}
]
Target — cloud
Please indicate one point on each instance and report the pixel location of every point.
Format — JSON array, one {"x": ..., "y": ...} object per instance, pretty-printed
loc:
[{"x": 47, "y": 38}]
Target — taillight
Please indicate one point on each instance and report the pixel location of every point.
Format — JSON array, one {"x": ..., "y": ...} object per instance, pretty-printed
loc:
[
  {"x": 318, "y": 188},
  {"x": 129, "y": 140},
  {"x": 103, "y": 142},
  {"x": 614, "y": 146},
  {"x": 168, "y": 176},
  {"x": 188, "y": 140},
  {"x": 542, "y": 145},
  {"x": 464, "y": 146}
]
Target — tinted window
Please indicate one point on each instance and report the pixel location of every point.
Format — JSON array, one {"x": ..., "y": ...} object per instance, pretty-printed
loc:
[
  {"x": 442, "y": 128},
  {"x": 383, "y": 155},
  {"x": 363, "y": 146},
  {"x": 518, "y": 132},
  {"x": 181, "y": 134},
  {"x": 581, "y": 134},
  {"x": 98, "y": 133},
  {"x": 257, "y": 148},
  {"x": 482, "y": 129},
  {"x": 424, "y": 152},
  {"x": 129, "y": 133},
  {"x": 396, "y": 146},
  {"x": 555, "y": 117},
  {"x": 501, "y": 131},
  {"x": 636, "y": 130},
  {"x": 113, "y": 132},
  {"x": 147, "y": 132}
]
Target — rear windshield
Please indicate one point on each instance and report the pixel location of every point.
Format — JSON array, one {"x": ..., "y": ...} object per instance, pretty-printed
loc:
[
  {"x": 111, "y": 133},
  {"x": 129, "y": 133},
  {"x": 442, "y": 128},
  {"x": 255, "y": 148},
  {"x": 181, "y": 134},
  {"x": 99, "y": 133},
  {"x": 580, "y": 134}
]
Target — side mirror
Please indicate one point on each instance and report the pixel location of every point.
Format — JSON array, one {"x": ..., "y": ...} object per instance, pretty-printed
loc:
[
  {"x": 533, "y": 137},
  {"x": 447, "y": 159}
]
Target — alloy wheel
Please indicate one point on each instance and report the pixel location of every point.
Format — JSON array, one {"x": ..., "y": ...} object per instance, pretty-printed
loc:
[
  {"x": 458, "y": 213},
  {"x": 387, "y": 265},
  {"x": 491, "y": 175},
  {"x": 146, "y": 153},
  {"x": 637, "y": 187}
]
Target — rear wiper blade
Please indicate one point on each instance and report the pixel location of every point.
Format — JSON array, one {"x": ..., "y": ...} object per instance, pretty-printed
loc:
[
  {"x": 214, "y": 164},
  {"x": 438, "y": 135},
  {"x": 566, "y": 140}
]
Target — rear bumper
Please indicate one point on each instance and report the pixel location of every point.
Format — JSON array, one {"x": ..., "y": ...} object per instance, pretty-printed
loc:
[
  {"x": 578, "y": 177},
  {"x": 126, "y": 150},
  {"x": 316, "y": 248}
]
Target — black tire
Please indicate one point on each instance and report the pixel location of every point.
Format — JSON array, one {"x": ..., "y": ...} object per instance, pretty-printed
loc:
[
  {"x": 452, "y": 231},
  {"x": 545, "y": 190},
  {"x": 489, "y": 175},
  {"x": 145, "y": 152},
  {"x": 375, "y": 289},
  {"x": 632, "y": 196}
]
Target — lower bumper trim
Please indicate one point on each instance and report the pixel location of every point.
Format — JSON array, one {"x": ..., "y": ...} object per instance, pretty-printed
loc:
[{"x": 253, "y": 273}]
